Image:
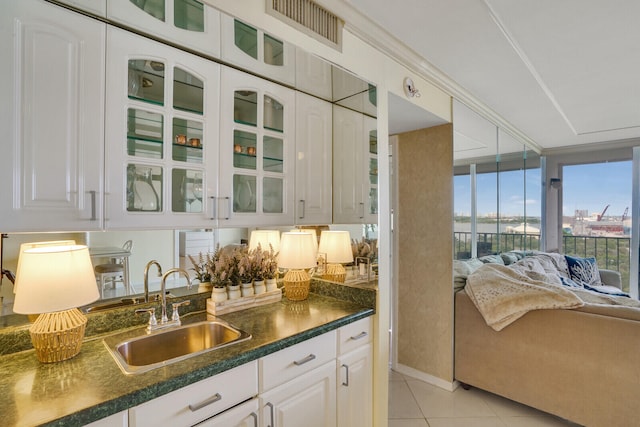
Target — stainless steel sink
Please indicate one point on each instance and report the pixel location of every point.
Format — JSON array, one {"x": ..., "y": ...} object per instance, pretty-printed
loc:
[{"x": 144, "y": 353}]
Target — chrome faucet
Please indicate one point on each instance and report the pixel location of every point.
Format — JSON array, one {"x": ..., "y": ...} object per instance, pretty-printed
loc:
[
  {"x": 146, "y": 277},
  {"x": 175, "y": 317},
  {"x": 163, "y": 296}
]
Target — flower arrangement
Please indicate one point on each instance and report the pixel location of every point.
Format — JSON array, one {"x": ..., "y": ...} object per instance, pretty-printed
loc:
[
  {"x": 200, "y": 266},
  {"x": 365, "y": 248},
  {"x": 245, "y": 265},
  {"x": 224, "y": 267},
  {"x": 269, "y": 263}
]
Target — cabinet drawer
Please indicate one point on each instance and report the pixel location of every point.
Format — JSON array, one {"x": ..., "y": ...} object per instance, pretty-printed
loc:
[
  {"x": 199, "y": 401},
  {"x": 280, "y": 367},
  {"x": 354, "y": 335}
]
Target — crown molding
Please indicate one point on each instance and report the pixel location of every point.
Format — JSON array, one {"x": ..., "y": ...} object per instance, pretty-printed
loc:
[{"x": 376, "y": 36}]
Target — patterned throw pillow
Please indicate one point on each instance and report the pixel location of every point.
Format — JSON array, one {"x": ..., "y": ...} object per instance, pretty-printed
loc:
[{"x": 584, "y": 270}]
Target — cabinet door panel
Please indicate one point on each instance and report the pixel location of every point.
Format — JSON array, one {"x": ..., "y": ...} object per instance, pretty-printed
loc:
[
  {"x": 161, "y": 133},
  {"x": 355, "y": 385},
  {"x": 52, "y": 117},
  {"x": 308, "y": 400},
  {"x": 245, "y": 415},
  {"x": 257, "y": 148},
  {"x": 313, "y": 160}
]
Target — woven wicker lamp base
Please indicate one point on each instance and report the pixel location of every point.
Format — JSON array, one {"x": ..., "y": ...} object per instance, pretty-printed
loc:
[
  {"x": 58, "y": 336},
  {"x": 296, "y": 285},
  {"x": 335, "y": 273}
]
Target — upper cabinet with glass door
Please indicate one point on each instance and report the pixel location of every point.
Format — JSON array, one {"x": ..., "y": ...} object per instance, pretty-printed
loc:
[
  {"x": 256, "y": 151},
  {"x": 187, "y": 23},
  {"x": 161, "y": 133},
  {"x": 253, "y": 49}
]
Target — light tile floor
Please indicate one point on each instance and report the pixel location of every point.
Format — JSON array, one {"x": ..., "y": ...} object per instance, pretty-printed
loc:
[{"x": 414, "y": 403}]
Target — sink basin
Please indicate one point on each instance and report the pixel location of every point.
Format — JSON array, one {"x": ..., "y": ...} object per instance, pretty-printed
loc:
[{"x": 144, "y": 353}]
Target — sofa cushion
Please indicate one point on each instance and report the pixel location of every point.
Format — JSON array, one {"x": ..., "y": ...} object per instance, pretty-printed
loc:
[
  {"x": 584, "y": 270},
  {"x": 509, "y": 258},
  {"x": 462, "y": 269}
]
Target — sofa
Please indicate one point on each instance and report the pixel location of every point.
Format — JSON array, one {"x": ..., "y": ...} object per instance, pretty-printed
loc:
[{"x": 580, "y": 364}]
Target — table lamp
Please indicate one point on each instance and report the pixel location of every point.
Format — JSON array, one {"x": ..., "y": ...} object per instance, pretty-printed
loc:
[
  {"x": 264, "y": 238},
  {"x": 297, "y": 253},
  {"x": 337, "y": 247},
  {"x": 54, "y": 281}
]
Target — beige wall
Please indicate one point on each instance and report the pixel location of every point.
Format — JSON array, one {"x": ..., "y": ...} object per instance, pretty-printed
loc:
[{"x": 424, "y": 283}]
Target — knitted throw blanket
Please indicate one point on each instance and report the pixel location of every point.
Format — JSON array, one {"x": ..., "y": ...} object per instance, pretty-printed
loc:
[{"x": 503, "y": 295}]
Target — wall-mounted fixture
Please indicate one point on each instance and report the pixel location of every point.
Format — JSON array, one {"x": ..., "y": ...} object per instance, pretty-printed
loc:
[
  {"x": 410, "y": 89},
  {"x": 555, "y": 183}
]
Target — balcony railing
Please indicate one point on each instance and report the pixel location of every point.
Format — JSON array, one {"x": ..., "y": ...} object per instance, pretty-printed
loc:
[{"x": 612, "y": 253}]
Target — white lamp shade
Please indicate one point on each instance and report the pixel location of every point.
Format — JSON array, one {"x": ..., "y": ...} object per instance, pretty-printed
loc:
[
  {"x": 337, "y": 246},
  {"x": 297, "y": 251},
  {"x": 25, "y": 246},
  {"x": 54, "y": 278},
  {"x": 311, "y": 231},
  {"x": 264, "y": 238}
]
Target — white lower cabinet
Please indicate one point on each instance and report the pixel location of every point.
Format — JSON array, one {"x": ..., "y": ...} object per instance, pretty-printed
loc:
[
  {"x": 309, "y": 400},
  {"x": 244, "y": 415},
  {"x": 355, "y": 375},
  {"x": 199, "y": 401}
]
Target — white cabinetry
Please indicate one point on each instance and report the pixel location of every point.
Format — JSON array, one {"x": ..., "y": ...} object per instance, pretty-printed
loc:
[
  {"x": 52, "y": 118},
  {"x": 256, "y": 152},
  {"x": 313, "y": 160},
  {"x": 188, "y": 23},
  {"x": 297, "y": 384},
  {"x": 199, "y": 401},
  {"x": 244, "y": 415},
  {"x": 121, "y": 419},
  {"x": 161, "y": 135},
  {"x": 355, "y": 387},
  {"x": 97, "y": 7},
  {"x": 255, "y": 50},
  {"x": 355, "y": 167}
]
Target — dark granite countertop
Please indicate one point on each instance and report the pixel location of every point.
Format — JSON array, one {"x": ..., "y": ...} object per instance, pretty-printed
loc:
[{"x": 91, "y": 386}]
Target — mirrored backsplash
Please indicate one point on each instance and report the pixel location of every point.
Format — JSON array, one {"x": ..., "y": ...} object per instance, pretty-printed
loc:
[{"x": 170, "y": 248}]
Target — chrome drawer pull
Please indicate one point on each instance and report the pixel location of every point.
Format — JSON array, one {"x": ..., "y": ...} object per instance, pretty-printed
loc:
[
  {"x": 359, "y": 336},
  {"x": 346, "y": 383},
  {"x": 270, "y": 405},
  {"x": 213, "y": 399},
  {"x": 309, "y": 358},
  {"x": 255, "y": 419}
]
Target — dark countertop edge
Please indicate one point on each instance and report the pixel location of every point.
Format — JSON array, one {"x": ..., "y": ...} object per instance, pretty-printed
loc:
[{"x": 138, "y": 397}]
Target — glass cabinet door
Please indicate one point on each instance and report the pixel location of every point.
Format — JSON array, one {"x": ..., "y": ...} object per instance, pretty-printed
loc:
[
  {"x": 259, "y": 121},
  {"x": 171, "y": 125},
  {"x": 253, "y": 49},
  {"x": 373, "y": 172},
  {"x": 189, "y": 23}
]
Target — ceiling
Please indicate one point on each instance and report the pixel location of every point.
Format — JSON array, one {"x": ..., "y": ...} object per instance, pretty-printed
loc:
[{"x": 562, "y": 73}]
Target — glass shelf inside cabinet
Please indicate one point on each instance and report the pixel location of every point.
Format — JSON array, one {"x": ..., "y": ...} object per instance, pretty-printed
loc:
[
  {"x": 373, "y": 201},
  {"x": 186, "y": 190},
  {"x": 244, "y": 150},
  {"x": 244, "y": 193},
  {"x": 187, "y": 140},
  {"x": 272, "y": 161},
  {"x": 273, "y": 51},
  {"x": 373, "y": 171},
  {"x": 273, "y": 114},
  {"x": 144, "y": 188},
  {"x": 188, "y": 15},
  {"x": 245, "y": 107},
  {"x": 188, "y": 92},
  {"x": 146, "y": 81},
  {"x": 373, "y": 142},
  {"x": 273, "y": 195},
  {"x": 144, "y": 134},
  {"x": 246, "y": 38},
  {"x": 154, "y": 8}
]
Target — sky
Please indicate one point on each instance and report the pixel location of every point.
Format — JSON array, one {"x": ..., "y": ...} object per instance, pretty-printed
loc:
[{"x": 588, "y": 187}]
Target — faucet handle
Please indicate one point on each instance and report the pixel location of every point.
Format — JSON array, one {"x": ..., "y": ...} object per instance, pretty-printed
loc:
[
  {"x": 152, "y": 316},
  {"x": 176, "y": 316}
]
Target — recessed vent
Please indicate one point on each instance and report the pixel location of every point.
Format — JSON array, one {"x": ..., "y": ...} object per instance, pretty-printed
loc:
[{"x": 310, "y": 18}]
